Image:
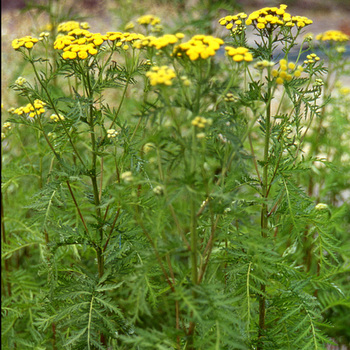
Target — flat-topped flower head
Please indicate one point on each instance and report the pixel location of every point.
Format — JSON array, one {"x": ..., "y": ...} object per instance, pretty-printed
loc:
[
  {"x": 161, "y": 75},
  {"x": 124, "y": 40},
  {"x": 27, "y": 42},
  {"x": 159, "y": 42},
  {"x": 239, "y": 54},
  {"x": 201, "y": 122},
  {"x": 234, "y": 23},
  {"x": 273, "y": 17},
  {"x": 199, "y": 47},
  {"x": 20, "y": 81},
  {"x": 7, "y": 125},
  {"x": 56, "y": 118},
  {"x": 68, "y": 26},
  {"x": 148, "y": 20},
  {"x": 31, "y": 110},
  {"x": 333, "y": 35},
  {"x": 79, "y": 44},
  {"x": 311, "y": 59},
  {"x": 112, "y": 133}
]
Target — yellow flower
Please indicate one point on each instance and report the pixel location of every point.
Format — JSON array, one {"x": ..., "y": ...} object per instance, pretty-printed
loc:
[
  {"x": 239, "y": 54},
  {"x": 333, "y": 35},
  {"x": 31, "y": 109},
  {"x": 162, "y": 41},
  {"x": 79, "y": 43},
  {"x": 26, "y": 41},
  {"x": 112, "y": 133},
  {"x": 161, "y": 75},
  {"x": 148, "y": 19},
  {"x": 273, "y": 17},
  {"x": 71, "y": 25},
  {"x": 237, "y": 20},
  {"x": 56, "y": 117},
  {"x": 312, "y": 58},
  {"x": 286, "y": 71},
  {"x": 201, "y": 122},
  {"x": 20, "y": 81},
  {"x": 7, "y": 125},
  {"x": 129, "y": 25},
  {"x": 199, "y": 46}
]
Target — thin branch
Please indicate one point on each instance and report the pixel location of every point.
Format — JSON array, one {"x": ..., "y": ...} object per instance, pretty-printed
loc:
[{"x": 77, "y": 206}]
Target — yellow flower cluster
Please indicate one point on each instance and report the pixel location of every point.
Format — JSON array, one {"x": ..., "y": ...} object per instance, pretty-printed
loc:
[
  {"x": 123, "y": 39},
  {"x": 201, "y": 122},
  {"x": 79, "y": 43},
  {"x": 263, "y": 64},
  {"x": 199, "y": 46},
  {"x": 129, "y": 25},
  {"x": 112, "y": 133},
  {"x": 5, "y": 128},
  {"x": 27, "y": 41},
  {"x": 238, "y": 20},
  {"x": 229, "y": 97},
  {"x": 239, "y": 54},
  {"x": 333, "y": 35},
  {"x": 273, "y": 17},
  {"x": 44, "y": 35},
  {"x": 161, "y": 75},
  {"x": 312, "y": 58},
  {"x": 20, "y": 81},
  {"x": 159, "y": 42},
  {"x": 148, "y": 19},
  {"x": 7, "y": 125},
  {"x": 56, "y": 117},
  {"x": 66, "y": 27},
  {"x": 286, "y": 71},
  {"x": 31, "y": 109}
]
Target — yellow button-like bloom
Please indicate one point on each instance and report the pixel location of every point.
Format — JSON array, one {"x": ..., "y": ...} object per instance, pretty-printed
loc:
[
  {"x": 112, "y": 133},
  {"x": 31, "y": 110},
  {"x": 286, "y": 71},
  {"x": 56, "y": 117},
  {"x": 239, "y": 54},
  {"x": 161, "y": 75},
  {"x": 201, "y": 122},
  {"x": 27, "y": 42}
]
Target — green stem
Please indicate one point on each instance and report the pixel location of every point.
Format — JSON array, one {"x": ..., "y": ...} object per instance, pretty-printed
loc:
[
  {"x": 264, "y": 208},
  {"x": 93, "y": 177},
  {"x": 121, "y": 101},
  {"x": 77, "y": 206}
]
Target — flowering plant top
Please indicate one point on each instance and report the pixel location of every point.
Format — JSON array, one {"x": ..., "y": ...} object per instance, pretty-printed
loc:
[{"x": 267, "y": 17}]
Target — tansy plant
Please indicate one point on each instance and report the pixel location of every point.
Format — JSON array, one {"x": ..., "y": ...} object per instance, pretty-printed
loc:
[{"x": 160, "y": 190}]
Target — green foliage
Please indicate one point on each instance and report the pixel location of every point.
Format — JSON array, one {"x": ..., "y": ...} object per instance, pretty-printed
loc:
[{"x": 203, "y": 211}]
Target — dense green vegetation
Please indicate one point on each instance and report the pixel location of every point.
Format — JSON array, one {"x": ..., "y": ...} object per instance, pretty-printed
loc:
[{"x": 164, "y": 188}]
